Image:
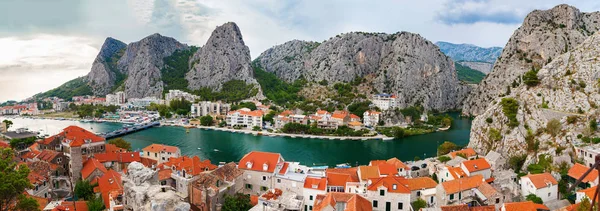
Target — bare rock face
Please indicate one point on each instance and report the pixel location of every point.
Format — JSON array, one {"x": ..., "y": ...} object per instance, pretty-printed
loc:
[
  {"x": 225, "y": 57},
  {"x": 544, "y": 35},
  {"x": 568, "y": 93},
  {"x": 403, "y": 63},
  {"x": 142, "y": 62},
  {"x": 142, "y": 191},
  {"x": 483, "y": 67},
  {"x": 102, "y": 76}
]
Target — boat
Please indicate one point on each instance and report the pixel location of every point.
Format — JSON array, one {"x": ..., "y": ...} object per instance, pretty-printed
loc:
[
  {"x": 216, "y": 150},
  {"x": 443, "y": 128},
  {"x": 319, "y": 167},
  {"x": 199, "y": 148},
  {"x": 342, "y": 166}
]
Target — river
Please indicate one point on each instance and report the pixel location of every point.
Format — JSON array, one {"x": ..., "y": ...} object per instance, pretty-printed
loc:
[{"x": 232, "y": 146}]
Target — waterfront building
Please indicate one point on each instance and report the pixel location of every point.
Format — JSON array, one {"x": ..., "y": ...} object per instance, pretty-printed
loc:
[
  {"x": 13, "y": 110},
  {"x": 288, "y": 116},
  {"x": 402, "y": 169},
  {"x": 341, "y": 117},
  {"x": 143, "y": 102},
  {"x": 342, "y": 201},
  {"x": 386, "y": 101},
  {"x": 210, "y": 188},
  {"x": 259, "y": 171},
  {"x": 344, "y": 180},
  {"x": 178, "y": 94},
  {"x": 117, "y": 98},
  {"x": 371, "y": 118},
  {"x": 244, "y": 118},
  {"x": 313, "y": 186},
  {"x": 213, "y": 109},
  {"x": 60, "y": 106},
  {"x": 160, "y": 153},
  {"x": 542, "y": 185},
  {"x": 185, "y": 170}
]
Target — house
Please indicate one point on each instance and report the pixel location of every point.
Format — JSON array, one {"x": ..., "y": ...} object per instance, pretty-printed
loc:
[
  {"x": 178, "y": 94},
  {"x": 291, "y": 177},
  {"x": 185, "y": 170},
  {"x": 368, "y": 172},
  {"x": 577, "y": 170},
  {"x": 403, "y": 169},
  {"x": 385, "y": 168},
  {"x": 421, "y": 187},
  {"x": 342, "y": 202},
  {"x": 278, "y": 200},
  {"x": 341, "y": 117},
  {"x": 160, "y": 153},
  {"x": 92, "y": 169},
  {"x": 244, "y": 118},
  {"x": 468, "y": 153},
  {"x": 371, "y": 118},
  {"x": 313, "y": 186},
  {"x": 70, "y": 206},
  {"x": 458, "y": 191},
  {"x": 354, "y": 118},
  {"x": 210, "y": 188},
  {"x": 386, "y": 101},
  {"x": 344, "y": 180},
  {"x": 389, "y": 193},
  {"x": 477, "y": 167},
  {"x": 213, "y": 109},
  {"x": 449, "y": 173},
  {"x": 39, "y": 177},
  {"x": 495, "y": 160},
  {"x": 117, "y": 161},
  {"x": 355, "y": 125},
  {"x": 110, "y": 187},
  {"x": 588, "y": 154},
  {"x": 542, "y": 185},
  {"x": 523, "y": 206},
  {"x": 259, "y": 170},
  {"x": 586, "y": 193},
  {"x": 288, "y": 116}
]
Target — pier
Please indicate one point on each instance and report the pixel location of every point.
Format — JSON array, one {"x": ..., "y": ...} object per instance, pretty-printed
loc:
[{"x": 129, "y": 129}]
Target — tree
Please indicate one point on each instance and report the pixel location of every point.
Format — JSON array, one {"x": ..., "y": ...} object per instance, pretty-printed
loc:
[
  {"x": 447, "y": 147},
  {"x": 534, "y": 199},
  {"x": 530, "y": 78},
  {"x": 95, "y": 204},
  {"x": 256, "y": 128},
  {"x": 121, "y": 143},
  {"x": 418, "y": 204},
  {"x": 516, "y": 162},
  {"x": 236, "y": 202},
  {"x": 206, "y": 120},
  {"x": 26, "y": 204},
  {"x": 14, "y": 181},
  {"x": 593, "y": 125},
  {"x": 553, "y": 127},
  {"x": 585, "y": 205},
  {"x": 444, "y": 159},
  {"x": 180, "y": 106},
  {"x": 8, "y": 123},
  {"x": 84, "y": 190},
  {"x": 510, "y": 107}
]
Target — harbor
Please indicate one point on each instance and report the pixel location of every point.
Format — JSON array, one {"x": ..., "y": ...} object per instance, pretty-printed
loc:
[{"x": 128, "y": 129}]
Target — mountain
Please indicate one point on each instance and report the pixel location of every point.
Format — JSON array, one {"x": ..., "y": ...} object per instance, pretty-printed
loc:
[
  {"x": 402, "y": 63},
  {"x": 469, "y": 52},
  {"x": 104, "y": 74},
  {"x": 543, "y": 36}
]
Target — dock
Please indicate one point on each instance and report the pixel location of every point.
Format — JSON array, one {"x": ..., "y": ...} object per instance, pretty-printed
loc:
[{"x": 129, "y": 129}]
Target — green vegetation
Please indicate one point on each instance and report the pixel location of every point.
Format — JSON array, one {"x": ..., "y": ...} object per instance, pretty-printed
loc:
[
  {"x": 22, "y": 143},
  {"x": 276, "y": 89},
  {"x": 489, "y": 120},
  {"x": 95, "y": 204},
  {"x": 84, "y": 190},
  {"x": 206, "y": 120},
  {"x": 444, "y": 158},
  {"x": 121, "y": 143},
  {"x": 75, "y": 87},
  {"x": 544, "y": 164},
  {"x": 269, "y": 116},
  {"x": 447, "y": 147},
  {"x": 248, "y": 105},
  {"x": 510, "y": 107},
  {"x": 440, "y": 120},
  {"x": 534, "y": 199},
  {"x": 176, "y": 66},
  {"x": 14, "y": 183},
  {"x": 593, "y": 125},
  {"x": 530, "y": 78},
  {"x": 97, "y": 111},
  {"x": 297, "y": 128},
  {"x": 236, "y": 202},
  {"x": 359, "y": 108},
  {"x": 163, "y": 110},
  {"x": 553, "y": 127},
  {"x": 180, "y": 106},
  {"x": 414, "y": 112},
  {"x": 8, "y": 123},
  {"x": 120, "y": 77},
  {"x": 231, "y": 91},
  {"x": 468, "y": 74},
  {"x": 494, "y": 135},
  {"x": 516, "y": 162},
  {"x": 572, "y": 119}
]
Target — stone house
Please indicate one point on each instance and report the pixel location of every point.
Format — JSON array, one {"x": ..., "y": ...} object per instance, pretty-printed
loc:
[
  {"x": 160, "y": 153},
  {"x": 259, "y": 171},
  {"x": 477, "y": 167},
  {"x": 210, "y": 188},
  {"x": 388, "y": 193},
  {"x": 92, "y": 169},
  {"x": 496, "y": 161}
]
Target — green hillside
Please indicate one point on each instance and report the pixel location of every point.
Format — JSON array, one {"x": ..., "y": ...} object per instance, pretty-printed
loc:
[{"x": 468, "y": 75}]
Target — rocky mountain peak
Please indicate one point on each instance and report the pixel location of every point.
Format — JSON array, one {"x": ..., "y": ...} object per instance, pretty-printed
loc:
[
  {"x": 103, "y": 74},
  {"x": 110, "y": 47}
]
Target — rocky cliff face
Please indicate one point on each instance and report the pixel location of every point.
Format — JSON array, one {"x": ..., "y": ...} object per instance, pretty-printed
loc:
[
  {"x": 568, "y": 93},
  {"x": 225, "y": 57},
  {"x": 142, "y": 62},
  {"x": 483, "y": 67},
  {"x": 402, "y": 63},
  {"x": 468, "y": 52},
  {"x": 544, "y": 35},
  {"x": 103, "y": 75}
]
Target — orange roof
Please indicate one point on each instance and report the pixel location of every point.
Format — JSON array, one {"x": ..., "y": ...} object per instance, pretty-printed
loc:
[
  {"x": 376, "y": 162},
  {"x": 368, "y": 172},
  {"x": 76, "y": 135},
  {"x": 110, "y": 183},
  {"x": 541, "y": 180},
  {"x": 352, "y": 173},
  {"x": 284, "y": 168},
  {"x": 253, "y": 200},
  {"x": 164, "y": 174},
  {"x": 454, "y": 186},
  {"x": 339, "y": 115},
  {"x": 392, "y": 184},
  {"x": 30, "y": 154},
  {"x": 465, "y": 207},
  {"x": 160, "y": 148},
  {"x": 47, "y": 155},
  {"x": 35, "y": 178},
  {"x": 89, "y": 166},
  {"x": 371, "y": 112},
  {"x": 355, "y": 123},
  {"x": 322, "y": 112},
  {"x": 476, "y": 165},
  {"x": 524, "y": 206},
  {"x": 43, "y": 202},
  {"x": 420, "y": 183},
  {"x": 353, "y": 116},
  {"x": 148, "y": 162},
  {"x": 68, "y": 206},
  {"x": 577, "y": 171},
  {"x": 256, "y": 161},
  {"x": 338, "y": 179},
  {"x": 192, "y": 166},
  {"x": 353, "y": 202},
  {"x": 589, "y": 192},
  {"x": 120, "y": 157},
  {"x": 387, "y": 169},
  {"x": 113, "y": 148},
  {"x": 456, "y": 172},
  {"x": 467, "y": 152},
  {"x": 286, "y": 113},
  {"x": 398, "y": 163},
  {"x": 255, "y": 113},
  {"x": 315, "y": 183}
]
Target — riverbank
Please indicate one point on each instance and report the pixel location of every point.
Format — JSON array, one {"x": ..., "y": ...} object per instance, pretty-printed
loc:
[{"x": 266, "y": 133}]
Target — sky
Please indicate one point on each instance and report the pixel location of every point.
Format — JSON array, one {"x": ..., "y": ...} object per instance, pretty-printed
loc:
[{"x": 46, "y": 43}]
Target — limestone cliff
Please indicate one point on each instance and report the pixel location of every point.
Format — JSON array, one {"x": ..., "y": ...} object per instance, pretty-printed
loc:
[
  {"x": 103, "y": 74},
  {"x": 543, "y": 36},
  {"x": 402, "y": 63}
]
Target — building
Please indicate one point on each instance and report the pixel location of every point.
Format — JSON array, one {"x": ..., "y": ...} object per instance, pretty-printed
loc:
[
  {"x": 588, "y": 154},
  {"x": 69, "y": 206},
  {"x": 468, "y": 153},
  {"x": 341, "y": 117},
  {"x": 344, "y": 180},
  {"x": 355, "y": 125},
  {"x": 142, "y": 191},
  {"x": 143, "y": 102},
  {"x": 458, "y": 191},
  {"x": 291, "y": 177},
  {"x": 577, "y": 170},
  {"x": 313, "y": 186},
  {"x": 117, "y": 161},
  {"x": 371, "y": 118},
  {"x": 117, "y": 98},
  {"x": 421, "y": 187},
  {"x": 586, "y": 193},
  {"x": 259, "y": 171},
  {"x": 386, "y": 101},
  {"x": 110, "y": 187},
  {"x": 342, "y": 202},
  {"x": 41, "y": 179},
  {"x": 210, "y": 188},
  {"x": 244, "y": 118},
  {"x": 449, "y": 173},
  {"x": 389, "y": 193},
  {"x": 542, "y": 185},
  {"x": 403, "y": 169},
  {"x": 160, "y": 153},
  {"x": 278, "y": 200},
  {"x": 477, "y": 167},
  {"x": 496, "y": 160},
  {"x": 288, "y": 116},
  {"x": 185, "y": 170},
  {"x": 178, "y": 94},
  {"x": 60, "y": 106},
  {"x": 213, "y": 109},
  {"x": 523, "y": 206},
  {"x": 92, "y": 169}
]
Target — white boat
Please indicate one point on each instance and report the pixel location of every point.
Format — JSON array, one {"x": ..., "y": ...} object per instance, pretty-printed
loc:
[
  {"x": 199, "y": 148},
  {"x": 216, "y": 150},
  {"x": 342, "y": 166}
]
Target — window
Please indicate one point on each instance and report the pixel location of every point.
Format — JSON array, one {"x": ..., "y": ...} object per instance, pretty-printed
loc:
[
  {"x": 451, "y": 196},
  {"x": 163, "y": 158},
  {"x": 155, "y": 154},
  {"x": 459, "y": 195},
  {"x": 249, "y": 186},
  {"x": 497, "y": 200},
  {"x": 310, "y": 197},
  {"x": 305, "y": 207},
  {"x": 310, "y": 207},
  {"x": 148, "y": 153},
  {"x": 400, "y": 206},
  {"x": 550, "y": 193},
  {"x": 418, "y": 193},
  {"x": 59, "y": 160},
  {"x": 263, "y": 188},
  {"x": 374, "y": 203},
  {"x": 264, "y": 178},
  {"x": 382, "y": 192},
  {"x": 394, "y": 186},
  {"x": 278, "y": 180}
]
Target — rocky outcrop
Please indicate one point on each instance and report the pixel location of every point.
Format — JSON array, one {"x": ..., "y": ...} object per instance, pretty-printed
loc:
[
  {"x": 103, "y": 74},
  {"x": 142, "y": 191},
  {"x": 568, "y": 93},
  {"x": 469, "y": 52},
  {"x": 225, "y": 57},
  {"x": 543, "y": 36},
  {"x": 142, "y": 62},
  {"x": 402, "y": 63}
]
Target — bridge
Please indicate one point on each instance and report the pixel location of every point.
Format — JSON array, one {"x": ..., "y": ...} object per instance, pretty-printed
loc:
[{"x": 127, "y": 130}]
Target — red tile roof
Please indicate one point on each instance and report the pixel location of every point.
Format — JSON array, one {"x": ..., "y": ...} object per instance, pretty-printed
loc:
[
  {"x": 284, "y": 168},
  {"x": 68, "y": 206},
  {"x": 113, "y": 148},
  {"x": 164, "y": 174},
  {"x": 30, "y": 154},
  {"x": 76, "y": 135},
  {"x": 577, "y": 170},
  {"x": 541, "y": 180},
  {"x": 148, "y": 162},
  {"x": 392, "y": 184},
  {"x": 110, "y": 183},
  {"x": 120, "y": 157},
  {"x": 256, "y": 161},
  {"x": 469, "y": 152},
  {"x": 454, "y": 186},
  {"x": 398, "y": 163},
  {"x": 160, "y": 148},
  {"x": 476, "y": 165},
  {"x": 353, "y": 202},
  {"x": 387, "y": 169},
  {"x": 419, "y": 183},
  {"x": 89, "y": 166},
  {"x": 42, "y": 202},
  {"x": 589, "y": 192},
  {"x": 315, "y": 183},
  {"x": 47, "y": 155},
  {"x": 242, "y": 112},
  {"x": 376, "y": 162},
  {"x": 456, "y": 172},
  {"x": 524, "y": 206},
  {"x": 368, "y": 172},
  {"x": 353, "y": 116},
  {"x": 192, "y": 166},
  {"x": 351, "y": 174}
]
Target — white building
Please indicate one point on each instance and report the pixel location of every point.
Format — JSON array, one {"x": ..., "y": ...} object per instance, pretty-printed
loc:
[
  {"x": 178, "y": 94},
  {"x": 60, "y": 106},
  {"x": 160, "y": 153},
  {"x": 588, "y": 154},
  {"x": 477, "y": 167},
  {"x": 388, "y": 193},
  {"x": 313, "y": 186},
  {"x": 371, "y": 118},
  {"x": 144, "y": 102},
  {"x": 386, "y": 101},
  {"x": 542, "y": 185},
  {"x": 204, "y": 108},
  {"x": 117, "y": 98},
  {"x": 259, "y": 171},
  {"x": 244, "y": 118}
]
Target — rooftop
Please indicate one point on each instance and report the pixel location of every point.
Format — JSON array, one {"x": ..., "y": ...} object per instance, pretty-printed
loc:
[
  {"x": 457, "y": 185},
  {"x": 577, "y": 170},
  {"x": 261, "y": 161},
  {"x": 469, "y": 152},
  {"x": 160, "y": 148},
  {"x": 524, "y": 206},
  {"x": 476, "y": 165},
  {"x": 541, "y": 180},
  {"x": 346, "y": 201}
]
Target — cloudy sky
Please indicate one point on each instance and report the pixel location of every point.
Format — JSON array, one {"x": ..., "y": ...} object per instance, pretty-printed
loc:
[{"x": 46, "y": 43}]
